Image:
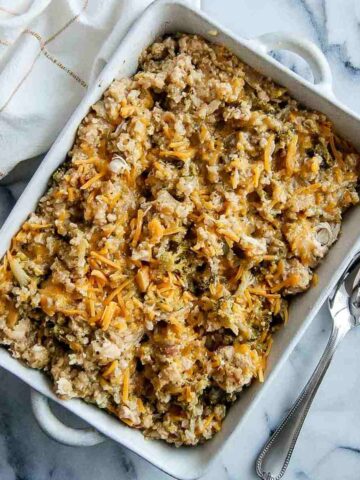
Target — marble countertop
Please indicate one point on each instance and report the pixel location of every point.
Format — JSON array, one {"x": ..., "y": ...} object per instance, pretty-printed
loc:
[{"x": 329, "y": 445}]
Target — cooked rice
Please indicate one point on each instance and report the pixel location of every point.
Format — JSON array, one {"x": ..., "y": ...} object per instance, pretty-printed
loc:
[{"x": 198, "y": 195}]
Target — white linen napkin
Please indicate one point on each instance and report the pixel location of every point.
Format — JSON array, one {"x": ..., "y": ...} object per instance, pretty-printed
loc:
[{"x": 50, "y": 51}]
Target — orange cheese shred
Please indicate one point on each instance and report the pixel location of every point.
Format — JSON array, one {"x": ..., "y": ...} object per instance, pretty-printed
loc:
[
  {"x": 269, "y": 147},
  {"x": 117, "y": 290},
  {"x": 105, "y": 260},
  {"x": 137, "y": 232},
  {"x": 125, "y": 389},
  {"x": 291, "y": 155},
  {"x": 110, "y": 369},
  {"x": 108, "y": 315},
  {"x": 92, "y": 180}
]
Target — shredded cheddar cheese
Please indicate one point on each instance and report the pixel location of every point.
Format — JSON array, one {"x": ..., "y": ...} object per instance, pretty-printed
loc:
[
  {"x": 137, "y": 232},
  {"x": 108, "y": 315},
  {"x": 268, "y": 152},
  {"x": 92, "y": 180},
  {"x": 110, "y": 369},
  {"x": 291, "y": 155},
  {"x": 105, "y": 260},
  {"x": 125, "y": 389},
  {"x": 151, "y": 279}
]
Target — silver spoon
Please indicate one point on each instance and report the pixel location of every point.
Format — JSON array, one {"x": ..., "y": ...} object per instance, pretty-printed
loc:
[{"x": 344, "y": 306}]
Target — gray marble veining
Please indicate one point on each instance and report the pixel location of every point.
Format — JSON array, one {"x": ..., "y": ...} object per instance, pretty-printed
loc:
[{"x": 329, "y": 446}]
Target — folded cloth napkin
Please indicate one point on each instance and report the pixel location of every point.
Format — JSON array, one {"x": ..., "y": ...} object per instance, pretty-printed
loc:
[{"x": 50, "y": 52}]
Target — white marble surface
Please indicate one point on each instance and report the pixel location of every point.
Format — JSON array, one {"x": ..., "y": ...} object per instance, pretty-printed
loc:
[{"x": 329, "y": 445}]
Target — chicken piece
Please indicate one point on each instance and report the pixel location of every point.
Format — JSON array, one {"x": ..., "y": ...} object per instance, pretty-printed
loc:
[{"x": 236, "y": 369}]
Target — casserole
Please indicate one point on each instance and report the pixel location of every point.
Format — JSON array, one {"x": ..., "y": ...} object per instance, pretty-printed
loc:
[{"x": 157, "y": 20}]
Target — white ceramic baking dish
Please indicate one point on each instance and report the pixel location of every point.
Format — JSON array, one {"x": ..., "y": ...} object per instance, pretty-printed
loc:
[{"x": 166, "y": 16}]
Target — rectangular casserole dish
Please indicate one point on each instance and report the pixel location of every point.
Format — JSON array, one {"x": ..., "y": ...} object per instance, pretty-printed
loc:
[{"x": 169, "y": 16}]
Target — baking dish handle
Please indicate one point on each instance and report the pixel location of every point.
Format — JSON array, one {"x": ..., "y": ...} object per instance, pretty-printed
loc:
[
  {"x": 302, "y": 47},
  {"x": 51, "y": 425}
]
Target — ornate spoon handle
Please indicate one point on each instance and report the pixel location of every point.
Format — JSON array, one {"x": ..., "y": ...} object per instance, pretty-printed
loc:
[{"x": 275, "y": 456}]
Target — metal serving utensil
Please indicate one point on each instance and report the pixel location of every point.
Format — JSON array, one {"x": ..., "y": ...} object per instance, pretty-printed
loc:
[{"x": 344, "y": 306}]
